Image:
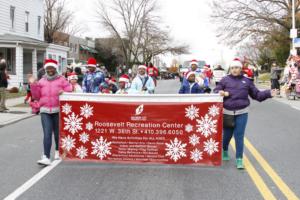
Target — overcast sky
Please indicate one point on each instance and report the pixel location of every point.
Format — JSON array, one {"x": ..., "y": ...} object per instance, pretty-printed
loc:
[{"x": 188, "y": 20}]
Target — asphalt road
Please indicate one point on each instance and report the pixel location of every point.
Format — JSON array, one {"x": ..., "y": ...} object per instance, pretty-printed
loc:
[{"x": 273, "y": 130}]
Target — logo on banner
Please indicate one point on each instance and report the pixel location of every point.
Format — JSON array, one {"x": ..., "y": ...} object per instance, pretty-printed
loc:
[{"x": 138, "y": 114}]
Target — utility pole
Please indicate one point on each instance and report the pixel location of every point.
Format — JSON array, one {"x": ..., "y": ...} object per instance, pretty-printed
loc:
[{"x": 294, "y": 30}]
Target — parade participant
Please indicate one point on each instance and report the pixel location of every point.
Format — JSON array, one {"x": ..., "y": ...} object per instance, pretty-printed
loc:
[
  {"x": 142, "y": 83},
  {"x": 275, "y": 77},
  {"x": 3, "y": 85},
  {"x": 104, "y": 88},
  {"x": 46, "y": 92},
  {"x": 248, "y": 73},
  {"x": 235, "y": 88},
  {"x": 153, "y": 72},
  {"x": 190, "y": 86},
  {"x": 123, "y": 84},
  {"x": 112, "y": 83},
  {"x": 73, "y": 79},
  {"x": 200, "y": 77},
  {"x": 79, "y": 74},
  {"x": 92, "y": 79},
  {"x": 68, "y": 71},
  {"x": 218, "y": 74},
  {"x": 207, "y": 72}
]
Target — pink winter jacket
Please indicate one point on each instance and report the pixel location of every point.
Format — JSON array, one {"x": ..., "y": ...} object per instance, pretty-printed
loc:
[{"x": 47, "y": 93}]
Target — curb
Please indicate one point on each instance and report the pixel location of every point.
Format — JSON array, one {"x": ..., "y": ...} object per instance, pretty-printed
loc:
[{"x": 16, "y": 120}]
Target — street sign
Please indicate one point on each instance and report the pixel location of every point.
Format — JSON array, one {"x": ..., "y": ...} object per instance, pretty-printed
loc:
[
  {"x": 294, "y": 33},
  {"x": 136, "y": 129}
]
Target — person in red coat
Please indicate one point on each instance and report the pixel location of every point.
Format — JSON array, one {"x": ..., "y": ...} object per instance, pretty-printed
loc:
[{"x": 153, "y": 72}]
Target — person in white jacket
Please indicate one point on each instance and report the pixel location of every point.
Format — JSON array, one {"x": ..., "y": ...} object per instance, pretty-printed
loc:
[{"x": 142, "y": 83}]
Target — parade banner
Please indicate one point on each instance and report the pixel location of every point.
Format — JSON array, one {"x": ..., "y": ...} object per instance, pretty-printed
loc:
[{"x": 142, "y": 129}]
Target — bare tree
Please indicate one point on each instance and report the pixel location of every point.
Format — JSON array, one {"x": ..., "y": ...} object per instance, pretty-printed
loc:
[
  {"x": 57, "y": 18},
  {"x": 136, "y": 26}
]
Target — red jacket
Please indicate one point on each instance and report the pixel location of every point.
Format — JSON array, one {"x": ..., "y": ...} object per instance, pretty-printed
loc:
[{"x": 152, "y": 71}]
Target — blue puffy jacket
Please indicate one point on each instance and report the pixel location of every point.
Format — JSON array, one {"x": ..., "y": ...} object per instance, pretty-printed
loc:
[{"x": 186, "y": 88}]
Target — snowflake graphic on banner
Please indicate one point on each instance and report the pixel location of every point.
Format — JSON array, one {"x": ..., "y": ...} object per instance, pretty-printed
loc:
[
  {"x": 176, "y": 150},
  {"x": 86, "y": 111},
  {"x": 196, "y": 155},
  {"x": 192, "y": 112},
  {"x": 73, "y": 123},
  {"x": 89, "y": 126},
  {"x": 214, "y": 111},
  {"x": 101, "y": 148},
  {"x": 194, "y": 140},
  {"x": 189, "y": 128},
  {"x": 84, "y": 138},
  {"x": 207, "y": 126},
  {"x": 67, "y": 108},
  {"x": 211, "y": 146},
  {"x": 81, "y": 152},
  {"x": 68, "y": 143}
]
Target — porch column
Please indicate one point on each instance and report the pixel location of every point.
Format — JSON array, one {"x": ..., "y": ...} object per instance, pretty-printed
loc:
[
  {"x": 34, "y": 63},
  {"x": 19, "y": 64}
]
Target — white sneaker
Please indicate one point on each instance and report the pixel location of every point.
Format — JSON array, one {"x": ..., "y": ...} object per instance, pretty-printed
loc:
[
  {"x": 44, "y": 161},
  {"x": 56, "y": 155}
]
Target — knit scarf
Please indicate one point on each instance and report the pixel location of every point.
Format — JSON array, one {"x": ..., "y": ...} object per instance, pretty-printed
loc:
[{"x": 51, "y": 78}]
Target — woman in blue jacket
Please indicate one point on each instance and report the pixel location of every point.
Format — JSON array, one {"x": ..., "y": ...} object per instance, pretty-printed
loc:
[{"x": 236, "y": 89}]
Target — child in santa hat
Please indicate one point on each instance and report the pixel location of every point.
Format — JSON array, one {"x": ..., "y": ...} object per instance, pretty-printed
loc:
[
  {"x": 46, "y": 92},
  {"x": 73, "y": 79},
  {"x": 112, "y": 83},
  {"x": 93, "y": 78},
  {"x": 190, "y": 86},
  {"x": 123, "y": 84}
]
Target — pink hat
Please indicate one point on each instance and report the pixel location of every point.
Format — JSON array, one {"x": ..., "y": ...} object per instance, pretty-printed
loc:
[
  {"x": 124, "y": 78},
  {"x": 51, "y": 63},
  {"x": 92, "y": 62}
]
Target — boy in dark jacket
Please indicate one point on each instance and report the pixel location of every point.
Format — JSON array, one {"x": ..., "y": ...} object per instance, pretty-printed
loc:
[
  {"x": 190, "y": 86},
  {"x": 3, "y": 85}
]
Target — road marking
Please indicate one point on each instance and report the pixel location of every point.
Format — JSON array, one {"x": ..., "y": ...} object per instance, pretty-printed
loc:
[
  {"x": 283, "y": 187},
  {"x": 257, "y": 179},
  {"x": 26, "y": 186}
]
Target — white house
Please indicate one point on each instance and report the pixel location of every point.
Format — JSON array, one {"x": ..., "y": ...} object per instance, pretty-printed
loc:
[{"x": 22, "y": 39}]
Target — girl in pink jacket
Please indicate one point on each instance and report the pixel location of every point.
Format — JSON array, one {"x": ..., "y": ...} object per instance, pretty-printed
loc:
[{"x": 46, "y": 91}]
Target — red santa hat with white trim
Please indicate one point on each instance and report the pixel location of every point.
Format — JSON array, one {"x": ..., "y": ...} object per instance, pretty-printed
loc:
[
  {"x": 124, "y": 78},
  {"x": 92, "y": 62},
  {"x": 236, "y": 63},
  {"x": 72, "y": 76},
  {"x": 142, "y": 67},
  {"x": 112, "y": 81},
  {"x": 188, "y": 74},
  {"x": 51, "y": 63},
  {"x": 194, "y": 62}
]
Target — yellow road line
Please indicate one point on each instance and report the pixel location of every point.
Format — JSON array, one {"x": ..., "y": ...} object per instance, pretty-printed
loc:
[
  {"x": 257, "y": 179},
  {"x": 283, "y": 187}
]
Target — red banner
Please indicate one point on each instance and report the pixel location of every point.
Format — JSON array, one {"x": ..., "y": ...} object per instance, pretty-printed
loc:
[{"x": 185, "y": 130}]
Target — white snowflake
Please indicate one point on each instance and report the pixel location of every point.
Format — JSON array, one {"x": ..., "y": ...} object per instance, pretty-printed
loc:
[
  {"x": 67, "y": 108},
  {"x": 207, "y": 126},
  {"x": 214, "y": 111},
  {"x": 211, "y": 146},
  {"x": 101, "y": 148},
  {"x": 73, "y": 123},
  {"x": 192, "y": 112},
  {"x": 196, "y": 155},
  {"x": 86, "y": 111},
  {"x": 176, "y": 150},
  {"x": 81, "y": 152},
  {"x": 194, "y": 140},
  {"x": 68, "y": 143},
  {"x": 89, "y": 126},
  {"x": 84, "y": 138},
  {"x": 189, "y": 128}
]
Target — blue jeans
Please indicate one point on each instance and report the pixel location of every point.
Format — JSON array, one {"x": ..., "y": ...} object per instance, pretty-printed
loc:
[
  {"x": 238, "y": 132},
  {"x": 50, "y": 123}
]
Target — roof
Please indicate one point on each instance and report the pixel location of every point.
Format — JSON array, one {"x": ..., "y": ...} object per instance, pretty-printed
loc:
[
  {"x": 83, "y": 47},
  {"x": 10, "y": 38}
]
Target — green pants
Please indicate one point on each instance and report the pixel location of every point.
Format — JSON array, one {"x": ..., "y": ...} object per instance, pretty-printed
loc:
[{"x": 2, "y": 99}]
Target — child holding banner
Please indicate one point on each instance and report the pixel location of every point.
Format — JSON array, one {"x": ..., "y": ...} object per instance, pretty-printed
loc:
[
  {"x": 46, "y": 92},
  {"x": 190, "y": 86},
  {"x": 142, "y": 83},
  {"x": 235, "y": 88}
]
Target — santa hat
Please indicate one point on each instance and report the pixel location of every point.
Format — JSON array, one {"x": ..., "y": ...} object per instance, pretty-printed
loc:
[
  {"x": 142, "y": 67},
  {"x": 92, "y": 62},
  {"x": 189, "y": 74},
  {"x": 194, "y": 62},
  {"x": 72, "y": 76},
  {"x": 51, "y": 63},
  {"x": 112, "y": 81},
  {"x": 236, "y": 63},
  {"x": 124, "y": 78}
]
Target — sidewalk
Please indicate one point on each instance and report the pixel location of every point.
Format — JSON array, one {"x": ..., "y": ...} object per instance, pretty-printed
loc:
[
  {"x": 14, "y": 114},
  {"x": 293, "y": 103}
]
